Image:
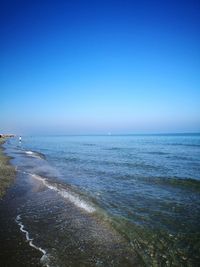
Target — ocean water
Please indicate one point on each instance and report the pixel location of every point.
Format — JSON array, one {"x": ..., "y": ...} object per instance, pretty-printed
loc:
[{"x": 109, "y": 200}]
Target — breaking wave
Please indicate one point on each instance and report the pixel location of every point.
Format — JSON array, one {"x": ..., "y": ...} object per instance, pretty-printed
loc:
[
  {"x": 72, "y": 197},
  {"x": 35, "y": 154}
]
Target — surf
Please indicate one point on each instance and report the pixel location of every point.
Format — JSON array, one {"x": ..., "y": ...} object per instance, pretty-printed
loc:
[
  {"x": 71, "y": 196},
  {"x": 44, "y": 258},
  {"x": 35, "y": 154}
]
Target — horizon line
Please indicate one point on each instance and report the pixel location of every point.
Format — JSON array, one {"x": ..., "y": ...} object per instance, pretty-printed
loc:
[{"x": 115, "y": 134}]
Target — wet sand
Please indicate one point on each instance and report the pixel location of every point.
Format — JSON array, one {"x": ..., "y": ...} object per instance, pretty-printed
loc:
[
  {"x": 7, "y": 171},
  {"x": 14, "y": 248}
]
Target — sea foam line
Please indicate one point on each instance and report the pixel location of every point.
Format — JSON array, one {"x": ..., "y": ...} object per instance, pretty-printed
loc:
[
  {"x": 67, "y": 195},
  {"x": 30, "y": 240},
  {"x": 34, "y": 154}
]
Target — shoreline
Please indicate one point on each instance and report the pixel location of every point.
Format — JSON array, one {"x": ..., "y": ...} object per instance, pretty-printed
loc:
[
  {"x": 7, "y": 171},
  {"x": 30, "y": 235},
  {"x": 55, "y": 229},
  {"x": 14, "y": 248}
]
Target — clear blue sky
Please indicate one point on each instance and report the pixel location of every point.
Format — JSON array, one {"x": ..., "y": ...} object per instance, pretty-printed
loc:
[{"x": 99, "y": 66}]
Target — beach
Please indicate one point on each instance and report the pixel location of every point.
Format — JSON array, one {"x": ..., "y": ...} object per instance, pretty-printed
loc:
[
  {"x": 99, "y": 133},
  {"x": 14, "y": 249},
  {"x": 102, "y": 201},
  {"x": 7, "y": 172},
  {"x": 85, "y": 239}
]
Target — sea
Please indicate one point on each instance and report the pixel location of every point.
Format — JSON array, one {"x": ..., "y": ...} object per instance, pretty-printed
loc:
[{"x": 108, "y": 200}]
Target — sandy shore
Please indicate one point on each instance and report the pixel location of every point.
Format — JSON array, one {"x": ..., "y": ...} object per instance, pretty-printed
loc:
[
  {"x": 7, "y": 172},
  {"x": 14, "y": 249}
]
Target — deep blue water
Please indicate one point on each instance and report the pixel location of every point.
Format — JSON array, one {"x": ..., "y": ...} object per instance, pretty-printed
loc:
[{"x": 147, "y": 187}]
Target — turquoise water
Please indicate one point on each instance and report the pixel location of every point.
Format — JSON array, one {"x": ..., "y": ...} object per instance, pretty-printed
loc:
[{"x": 145, "y": 188}]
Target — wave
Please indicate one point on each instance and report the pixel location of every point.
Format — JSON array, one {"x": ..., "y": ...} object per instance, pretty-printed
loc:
[
  {"x": 35, "y": 154},
  {"x": 72, "y": 197},
  {"x": 157, "y": 153},
  {"x": 44, "y": 258},
  {"x": 187, "y": 183},
  {"x": 89, "y": 144},
  {"x": 181, "y": 144},
  {"x": 115, "y": 148},
  {"x": 177, "y": 157},
  {"x": 71, "y": 159},
  {"x": 141, "y": 165},
  {"x": 184, "y": 183}
]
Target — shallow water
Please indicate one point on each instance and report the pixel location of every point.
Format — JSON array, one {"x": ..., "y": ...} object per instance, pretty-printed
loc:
[{"x": 110, "y": 200}]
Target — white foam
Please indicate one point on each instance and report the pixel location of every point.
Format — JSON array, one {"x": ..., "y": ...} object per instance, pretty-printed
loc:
[
  {"x": 33, "y": 154},
  {"x": 30, "y": 240},
  {"x": 29, "y": 152},
  {"x": 75, "y": 199}
]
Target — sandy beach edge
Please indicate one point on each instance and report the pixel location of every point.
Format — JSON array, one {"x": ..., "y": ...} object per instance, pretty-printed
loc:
[
  {"x": 14, "y": 248},
  {"x": 7, "y": 171}
]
